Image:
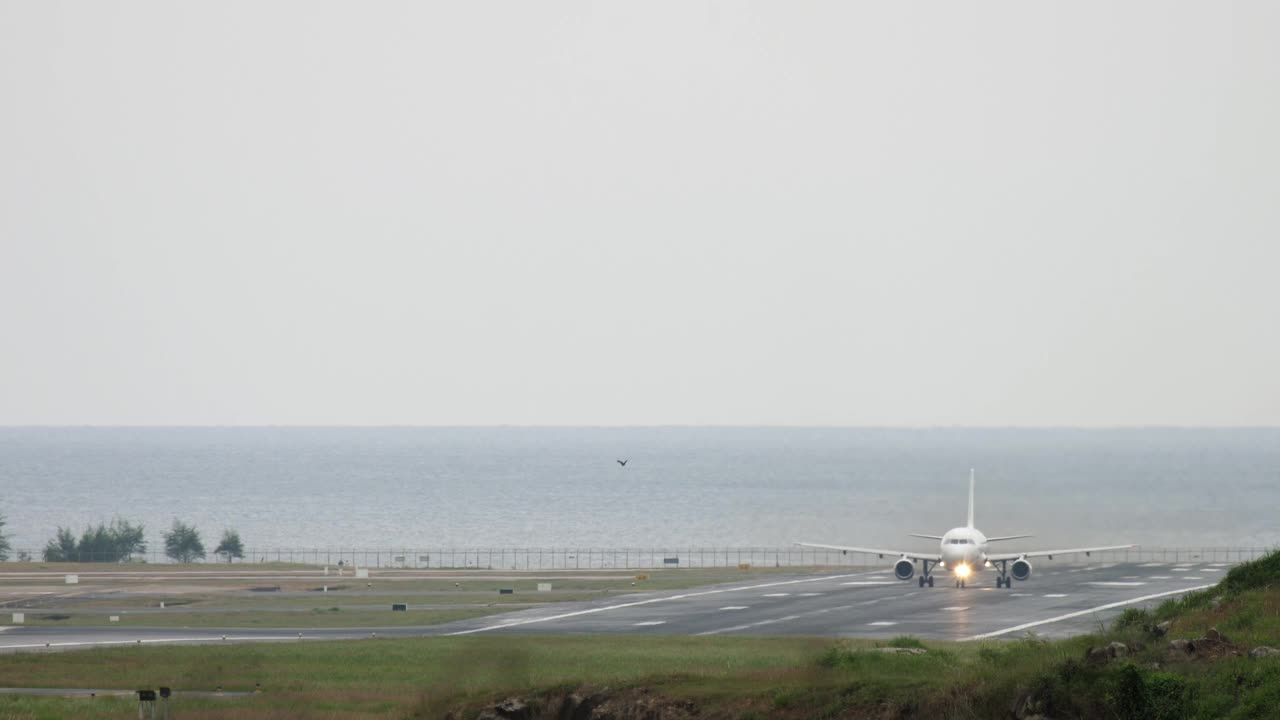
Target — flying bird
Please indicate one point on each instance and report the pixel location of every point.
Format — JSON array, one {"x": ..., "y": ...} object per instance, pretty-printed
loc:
[{"x": 623, "y": 463}]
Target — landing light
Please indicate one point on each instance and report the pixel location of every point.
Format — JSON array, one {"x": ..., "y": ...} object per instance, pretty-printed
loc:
[{"x": 962, "y": 571}]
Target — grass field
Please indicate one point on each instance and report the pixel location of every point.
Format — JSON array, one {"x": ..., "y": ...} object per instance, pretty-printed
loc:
[
  {"x": 722, "y": 677},
  {"x": 274, "y": 596}
]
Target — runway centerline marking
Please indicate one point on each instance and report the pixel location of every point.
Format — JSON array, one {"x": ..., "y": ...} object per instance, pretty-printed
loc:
[
  {"x": 735, "y": 607},
  {"x": 777, "y": 595},
  {"x": 1055, "y": 595},
  {"x": 1021, "y": 595},
  {"x": 1106, "y": 583},
  {"x": 1190, "y": 577},
  {"x": 1160, "y": 577},
  {"x": 1078, "y": 613},
  {"x": 966, "y": 607},
  {"x": 651, "y": 622},
  {"x": 872, "y": 582},
  {"x": 883, "y": 622},
  {"x": 650, "y": 601}
]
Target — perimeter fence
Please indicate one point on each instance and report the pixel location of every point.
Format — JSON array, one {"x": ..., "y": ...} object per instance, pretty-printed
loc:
[{"x": 631, "y": 558}]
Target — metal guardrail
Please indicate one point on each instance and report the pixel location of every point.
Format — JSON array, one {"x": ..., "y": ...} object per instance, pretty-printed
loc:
[{"x": 636, "y": 558}]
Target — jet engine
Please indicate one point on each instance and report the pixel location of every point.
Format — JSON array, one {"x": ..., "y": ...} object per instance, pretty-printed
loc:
[
  {"x": 904, "y": 569},
  {"x": 1021, "y": 569}
]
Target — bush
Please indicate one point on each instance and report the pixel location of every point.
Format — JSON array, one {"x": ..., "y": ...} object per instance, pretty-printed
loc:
[
  {"x": 1260, "y": 573},
  {"x": 906, "y": 641},
  {"x": 1132, "y": 617}
]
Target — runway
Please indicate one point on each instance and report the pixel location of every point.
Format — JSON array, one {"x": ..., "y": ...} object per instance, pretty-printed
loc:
[{"x": 1059, "y": 600}]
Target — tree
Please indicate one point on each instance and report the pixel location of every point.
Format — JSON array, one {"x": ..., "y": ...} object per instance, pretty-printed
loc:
[
  {"x": 4, "y": 542},
  {"x": 116, "y": 542},
  {"x": 62, "y": 548},
  {"x": 182, "y": 542},
  {"x": 230, "y": 545}
]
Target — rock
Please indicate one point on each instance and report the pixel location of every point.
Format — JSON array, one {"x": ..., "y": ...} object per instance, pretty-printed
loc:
[
  {"x": 1097, "y": 656},
  {"x": 577, "y": 707},
  {"x": 1028, "y": 707},
  {"x": 1182, "y": 645},
  {"x": 1214, "y": 636},
  {"x": 902, "y": 651},
  {"x": 1103, "y": 655},
  {"x": 1263, "y": 651},
  {"x": 509, "y": 709},
  {"x": 1163, "y": 628}
]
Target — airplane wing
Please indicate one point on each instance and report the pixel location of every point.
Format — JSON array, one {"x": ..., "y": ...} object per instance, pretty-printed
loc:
[
  {"x": 928, "y": 537},
  {"x": 872, "y": 551},
  {"x": 1008, "y": 537},
  {"x": 1049, "y": 553}
]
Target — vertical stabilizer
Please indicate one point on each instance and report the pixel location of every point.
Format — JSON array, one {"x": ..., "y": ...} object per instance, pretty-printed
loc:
[{"x": 970, "y": 497}]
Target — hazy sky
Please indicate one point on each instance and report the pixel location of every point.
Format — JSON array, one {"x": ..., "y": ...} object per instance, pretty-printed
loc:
[{"x": 995, "y": 213}]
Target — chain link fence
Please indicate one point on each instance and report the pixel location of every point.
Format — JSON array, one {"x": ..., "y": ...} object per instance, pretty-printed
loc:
[{"x": 633, "y": 558}]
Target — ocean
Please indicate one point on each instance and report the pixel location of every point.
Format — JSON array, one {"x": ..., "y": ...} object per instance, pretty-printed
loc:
[{"x": 284, "y": 487}]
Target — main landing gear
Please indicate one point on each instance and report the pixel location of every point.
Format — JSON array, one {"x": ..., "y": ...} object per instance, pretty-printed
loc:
[
  {"x": 925, "y": 577},
  {"x": 1003, "y": 580},
  {"x": 959, "y": 583}
]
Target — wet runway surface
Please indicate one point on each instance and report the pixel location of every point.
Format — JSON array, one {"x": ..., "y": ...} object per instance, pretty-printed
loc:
[{"x": 1059, "y": 600}]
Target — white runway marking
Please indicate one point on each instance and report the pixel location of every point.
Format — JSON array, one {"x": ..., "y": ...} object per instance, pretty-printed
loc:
[
  {"x": 777, "y": 594},
  {"x": 1128, "y": 577},
  {"x": 1020, "y": 595},
  {"x": 1115, "y": 584},
  {"x": 1160, "y": 577},
  {"x": 808, "y": 594},
  {"x": 650, "y": 601},
  {"x": 1152, "y": 565},
  {"x": 735, "y": 607},
  {"x": 1190, "y": 577},
  {"x": 1078, "y": 613},
  {"x": 883, "y": 622},
  {"x": 872, "y": 582},
  {"x": 1210, "y": 569},
  {"x": 1181, "y": 569},
  {"x": 956, "y": 608},
  {"x": 651, "y": 622},
  {"x": 788, "y": 618},
  {"x": 1055, "y": 595}
]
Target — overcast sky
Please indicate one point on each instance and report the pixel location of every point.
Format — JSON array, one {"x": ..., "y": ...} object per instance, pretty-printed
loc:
[{"x": 853, "y": 213}]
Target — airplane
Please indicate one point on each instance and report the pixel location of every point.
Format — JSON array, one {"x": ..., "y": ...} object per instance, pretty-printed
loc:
[{"x": 963, "y": 550}]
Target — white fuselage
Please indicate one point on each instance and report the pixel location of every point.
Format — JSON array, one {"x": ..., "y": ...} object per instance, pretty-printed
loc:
[{"x": 965, "y": 547}]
